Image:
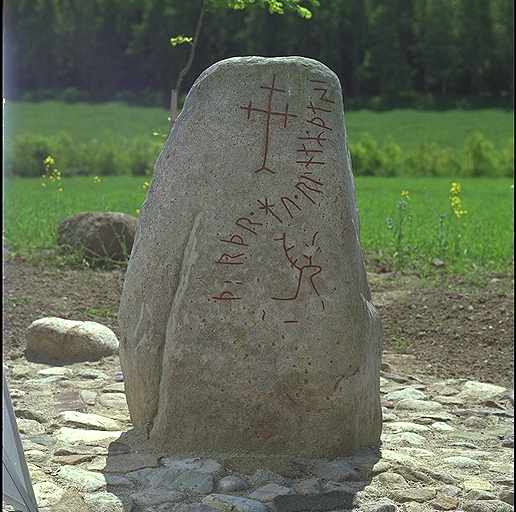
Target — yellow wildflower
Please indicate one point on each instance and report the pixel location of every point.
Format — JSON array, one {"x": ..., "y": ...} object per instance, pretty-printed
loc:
[
  {"x": 96, "y": 179},
  {"x": 405, "y": 194},
  {"x": 455, "y": 188},
  {"x": 49, "y": 161},
  {"x": 137, "y": 211},
  {"x": 60, "y": 189},
  {"x": 145, "y": 185}
]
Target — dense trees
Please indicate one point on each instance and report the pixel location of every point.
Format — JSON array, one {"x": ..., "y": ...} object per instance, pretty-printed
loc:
[{"x": 109, "y": 48}]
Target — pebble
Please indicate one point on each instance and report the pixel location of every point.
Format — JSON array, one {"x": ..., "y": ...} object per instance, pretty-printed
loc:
[
  {"x": 450, "y": 490},
  {"x": 480, "y": 495},
  {"x": 391, "y": 479},
  {"x": 87, "y": 396},
  {"x": 90, "y": 421},
  {"x": 29, "y": 427},
  {"x": 418, "y": 494},
  {"x": 265, "y": 476},
  {"x": 90, "y": 373},
  {"x": 113, "y": 400},
  {"x": 418, "y": 405},
  {"x": 486, "y": 506},
  {"x": 477, "y": 392},
  {"x": 407, "y": 426},
  {"x": 194, "y": 482},
  {"x": 47, "y": 494},
  {"x": 269, "y": 492},
  {"x": 406, "y": 393},
  {"x": 231, "y": 483},
  {"x": 477, "y": 484},
  {"x": 337, "y": 471},
  {"x": 443, "y": 502},
  {"x": 227, "y": 503},
  {"x": 308, "y": 486},
  {"x": 82, "y": 479},
  {"x": 192, "y": 464},
  {"x": 104, "y": 502},
  {"x": 408, "y": 438},
  {"x": 56, "y": 371},
  {"x": 461, "y": 462},
  {"x": 151, "y": 497},
  {"x": 440, "y": 426},
  {"x": 382, "y": 505},
  {"x": 79, "y": 435}
]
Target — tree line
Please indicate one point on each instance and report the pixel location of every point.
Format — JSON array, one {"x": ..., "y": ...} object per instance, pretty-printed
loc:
[{"x": 118, "y": 49}]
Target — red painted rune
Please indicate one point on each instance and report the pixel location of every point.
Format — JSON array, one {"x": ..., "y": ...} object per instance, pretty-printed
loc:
[{"x": 269, "y": 112}]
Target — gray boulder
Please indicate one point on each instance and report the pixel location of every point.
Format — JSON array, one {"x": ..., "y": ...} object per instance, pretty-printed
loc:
[
  {"x": 56, "y": 340},
  {"x": 99, "y": 235}
]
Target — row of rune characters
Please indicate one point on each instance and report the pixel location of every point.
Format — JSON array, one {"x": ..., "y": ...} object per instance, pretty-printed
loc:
[{"x": 305, "y": 185}]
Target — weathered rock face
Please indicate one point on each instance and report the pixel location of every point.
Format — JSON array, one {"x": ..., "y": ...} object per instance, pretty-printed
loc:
[
  {"x": 246, "y": 318},
  {"x": 99, "y": 235}
]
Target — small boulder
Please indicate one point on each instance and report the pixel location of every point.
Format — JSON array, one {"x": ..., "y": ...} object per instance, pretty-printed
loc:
[
  {"x": 67, "y": 341},
  {"x": 102, "y": 235}
]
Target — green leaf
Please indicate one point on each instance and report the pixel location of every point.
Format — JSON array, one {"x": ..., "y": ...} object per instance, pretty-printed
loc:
[{"x": 178, "y": 40}]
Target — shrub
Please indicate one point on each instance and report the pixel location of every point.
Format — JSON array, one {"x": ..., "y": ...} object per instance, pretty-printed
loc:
[
  {"x": 136, "y": 156},
  {"x": 480, "y": 157}
]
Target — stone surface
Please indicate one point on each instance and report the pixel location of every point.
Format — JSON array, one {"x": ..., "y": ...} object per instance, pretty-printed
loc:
[
  {"x": 194, "y": 482},
  {"x": 152, "y": 497},
  {"x": 82, "y": 479},
  {"x": 54, "y": 339},
  {"x": 29, "y": 426},
  {"x": 405, "y": 394},
  {"x": 105, "y": 235},
  {"x": 332, "y": 500},
  {"x": 486, "y": 506},
  {"x": 104, "y": 502},
  {"x": 382, "y": 505},
  {"x": 269, "y": 492},
  {"x": 231, "y": 483},
  {"x": 47, "y": 493},
  {"x": 247, "y": 265},
  {"x": 336, "y": 470},
  {"x": 91, "y": 421},
  {"x": 192, "y": 464},
  {"x": 227, "y": 503},
  {"x": 475, "y": 392},
  {"x": 79, "y": 435}
]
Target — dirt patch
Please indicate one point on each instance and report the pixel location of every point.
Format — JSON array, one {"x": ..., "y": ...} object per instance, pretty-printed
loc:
[{"x": 452, "y": 329}]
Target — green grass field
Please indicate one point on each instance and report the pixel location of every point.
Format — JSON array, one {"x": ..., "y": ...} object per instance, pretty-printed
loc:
[
  {"x": 115, "y": 121},
  {"x": 33, "y": 212}
]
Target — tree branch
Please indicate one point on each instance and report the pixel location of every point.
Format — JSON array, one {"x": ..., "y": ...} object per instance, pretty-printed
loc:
[{"x": 188, "y": 65}]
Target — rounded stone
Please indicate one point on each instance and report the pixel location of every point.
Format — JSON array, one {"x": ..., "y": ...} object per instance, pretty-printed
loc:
[
  {"x": 231, "y": 483},
  {"x": 102, "y": 235},
  {"x": 245, "y": 303},
  {"x": 54, "y": 339}
]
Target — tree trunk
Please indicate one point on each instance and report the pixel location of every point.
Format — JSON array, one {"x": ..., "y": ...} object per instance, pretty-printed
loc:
[
  {"x": 173, "y": 106},
  {"x": 174, "y": 96}
]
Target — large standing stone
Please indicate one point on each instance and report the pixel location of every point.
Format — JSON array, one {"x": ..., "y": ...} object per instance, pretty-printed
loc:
[{"x": 246, "y": 317}]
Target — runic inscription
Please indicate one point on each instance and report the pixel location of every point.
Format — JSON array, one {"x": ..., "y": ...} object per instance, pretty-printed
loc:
[
  {"x": 306, "y": 191},
  {"x": 269, "y": 113},
  {"x": 303, "y": 265}
]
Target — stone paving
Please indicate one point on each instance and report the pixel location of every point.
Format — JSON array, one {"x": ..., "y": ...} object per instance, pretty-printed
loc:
[{"x": 446, "y": 445}]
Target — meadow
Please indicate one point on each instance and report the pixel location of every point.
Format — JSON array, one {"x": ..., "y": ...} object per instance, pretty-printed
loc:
[
  {"x": 481, "y": 239},
  {"x": 118, "y": 121},
  {"x": 416, "y": 231}
]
